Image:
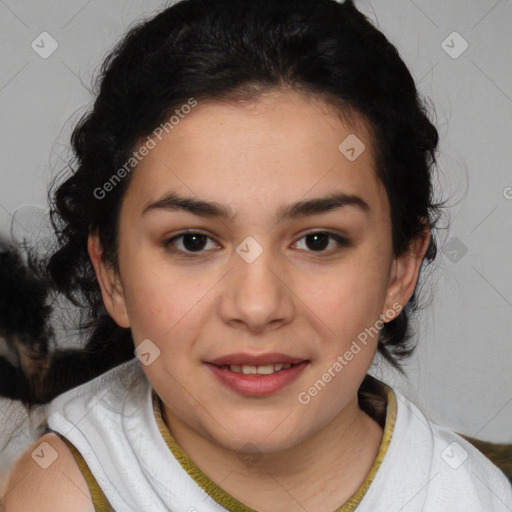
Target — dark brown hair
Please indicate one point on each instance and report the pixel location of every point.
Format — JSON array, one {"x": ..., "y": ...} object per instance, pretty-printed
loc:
[{"x": 225, "y": 49}]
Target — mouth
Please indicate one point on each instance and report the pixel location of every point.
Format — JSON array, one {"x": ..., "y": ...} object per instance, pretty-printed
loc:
[
  {"x": 257, "y": 375},
  {"x": 265, "y": 369},
  {"x": 245, "y": 359}
]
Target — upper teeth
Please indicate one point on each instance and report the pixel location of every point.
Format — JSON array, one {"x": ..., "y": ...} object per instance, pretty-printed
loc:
[{"x": 266, "y": 369}]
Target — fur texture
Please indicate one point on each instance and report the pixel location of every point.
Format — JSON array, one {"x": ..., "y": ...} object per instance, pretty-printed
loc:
[{"x": 32, "y": 369}]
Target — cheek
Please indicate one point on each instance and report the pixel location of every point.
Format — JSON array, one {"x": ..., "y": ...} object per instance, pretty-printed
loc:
[
  {"x": 166, "y": 307},
  {"x": 349, "y": 300},
  {"x": 153, "y": 305},
  {"x": 364, "y": 294}
]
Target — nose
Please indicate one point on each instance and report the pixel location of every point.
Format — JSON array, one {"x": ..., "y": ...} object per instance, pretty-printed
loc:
[{"x": 256, "y": 293}]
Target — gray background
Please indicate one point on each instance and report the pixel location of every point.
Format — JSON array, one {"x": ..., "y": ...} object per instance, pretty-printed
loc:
[{"x": 461, "y": 373}]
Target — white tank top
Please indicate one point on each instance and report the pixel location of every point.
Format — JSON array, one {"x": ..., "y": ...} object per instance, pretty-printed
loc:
[{"x": 111, "y": 421}]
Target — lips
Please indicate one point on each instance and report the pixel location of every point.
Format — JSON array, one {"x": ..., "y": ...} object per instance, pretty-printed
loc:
[{"x": 257, "y": 375}]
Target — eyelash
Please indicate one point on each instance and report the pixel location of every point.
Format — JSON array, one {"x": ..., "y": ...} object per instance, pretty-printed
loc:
[{"x": 341, "y": 241}]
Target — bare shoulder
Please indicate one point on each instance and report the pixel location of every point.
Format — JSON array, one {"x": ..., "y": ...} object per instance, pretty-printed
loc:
[{"x": 47, "y": 478}]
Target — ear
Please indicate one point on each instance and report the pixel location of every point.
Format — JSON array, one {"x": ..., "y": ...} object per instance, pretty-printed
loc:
[
  {"x": 109, "y": 281},
  {"x": 404, "y": 272}
]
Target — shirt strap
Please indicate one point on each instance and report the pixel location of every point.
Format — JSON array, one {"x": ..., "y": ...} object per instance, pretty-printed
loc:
[{"x": 99, "y": 500}]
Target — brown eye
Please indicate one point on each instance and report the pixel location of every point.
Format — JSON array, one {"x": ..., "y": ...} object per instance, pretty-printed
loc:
[
  {"x": 188, "y": 243},
  {"x": 320, "y": 240}
]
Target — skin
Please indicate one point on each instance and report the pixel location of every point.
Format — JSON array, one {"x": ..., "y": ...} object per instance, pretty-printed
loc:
[
  {"x": 255, "y": 157},
  {"x": 59, "y": 487}
]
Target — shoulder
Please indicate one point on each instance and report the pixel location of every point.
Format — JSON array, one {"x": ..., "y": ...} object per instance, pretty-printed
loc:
[
  {"x": 47, "y": 478},
  {"x": 448, "y": 471},
  {"x": 457, "y": 451},
  {"x": 469, "y": 467}
]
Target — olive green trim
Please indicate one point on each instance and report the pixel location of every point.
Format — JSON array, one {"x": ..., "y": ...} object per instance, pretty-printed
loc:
[
  {"x": 209, "y": 486},
  {"x": 99, "y": 500},
  {"x": 230, "y": 503},
  {"x": 351, "y": 504}
]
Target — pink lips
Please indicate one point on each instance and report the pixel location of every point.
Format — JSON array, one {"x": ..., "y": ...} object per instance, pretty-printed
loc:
[{"x": 256, "y": 385}]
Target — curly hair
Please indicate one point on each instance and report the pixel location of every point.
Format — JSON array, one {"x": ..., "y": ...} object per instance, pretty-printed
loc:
[{"x": 234, "y": 50}]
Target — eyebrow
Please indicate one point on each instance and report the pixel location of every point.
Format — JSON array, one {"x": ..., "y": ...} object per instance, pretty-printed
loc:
[{"x": 212, "y": 209}]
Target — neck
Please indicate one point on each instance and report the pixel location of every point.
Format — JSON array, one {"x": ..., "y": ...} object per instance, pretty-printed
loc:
[{"x": 319, "y": 474}]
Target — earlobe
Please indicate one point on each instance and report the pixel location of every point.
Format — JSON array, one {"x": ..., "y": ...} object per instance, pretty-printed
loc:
[
  {"x": 109, "y": 282},
  {"x": 404, "y": 273}
]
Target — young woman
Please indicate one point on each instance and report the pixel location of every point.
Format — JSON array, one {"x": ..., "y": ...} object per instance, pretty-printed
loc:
[{"x": 250, "y": 210}]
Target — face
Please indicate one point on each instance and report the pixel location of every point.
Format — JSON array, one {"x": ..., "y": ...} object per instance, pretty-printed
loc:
[{"x": 265, "y": 284}]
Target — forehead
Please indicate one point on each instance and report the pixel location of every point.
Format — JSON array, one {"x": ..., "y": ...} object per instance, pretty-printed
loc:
[{"x": 279, "y": 148}]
